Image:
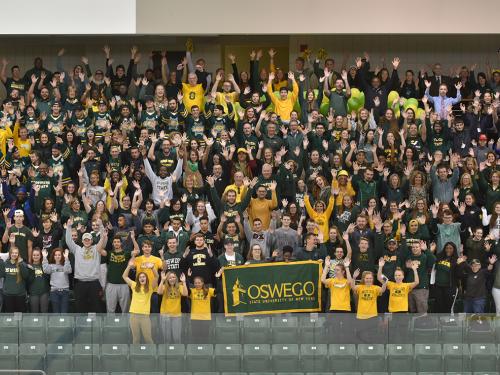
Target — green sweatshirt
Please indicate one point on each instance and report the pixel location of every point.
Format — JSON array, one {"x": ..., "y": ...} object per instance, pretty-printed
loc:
[{"x": 9, "y": 272}]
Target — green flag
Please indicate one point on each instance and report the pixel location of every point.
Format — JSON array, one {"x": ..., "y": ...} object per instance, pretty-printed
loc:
[{"x": 272, "y": 288}]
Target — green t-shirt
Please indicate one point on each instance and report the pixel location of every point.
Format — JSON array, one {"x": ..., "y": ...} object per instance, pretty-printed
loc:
[
  {"x": 38, "y": 281},
  {"x": 23, "y": 235},
  {"x": 117, "y": 262}
]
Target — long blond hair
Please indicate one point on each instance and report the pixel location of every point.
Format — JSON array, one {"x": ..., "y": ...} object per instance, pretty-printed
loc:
[{"x": 172, "y": 289}]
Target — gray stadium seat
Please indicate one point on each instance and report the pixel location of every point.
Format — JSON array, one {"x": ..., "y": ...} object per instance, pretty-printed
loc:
[
  {"x": 227, "y": 330},
  {"x": 171, "y": 357},
  {"x": 371, "y": 357},
  {"x": 116, "y": 329},
  {"x": 483, "y": 357},
  {"x": 256, "y": 357},
  {"x": 151, "y": 373},
  {"x": 480, "y": 330},
  {"x": 403, "y": 373},
  {"x": 319, "y": 373},
  {"x": 285, "y": 329},
  {"x": 375, "y": 373},
  {"x": 9, "y": 326},
  {"x": 233, "y": 373},
  {"x": 456, "y": 357},
  {"x": 228, "y": 357},
  {"x": 256, "y": 330},
  {"x": 428, "y": 357},
  {"x": 452, "y": 330},
  {"x": 425, "y": 329},
  {"x": 85, "y": 357},
  {"x": 124, "y": 373},
  {"x": 114, "y": 357},
  {"x": 342, "y": 357},
  {"x": 33, "y": 329},
  {"x": 60, "y": 329},
  {"x": 142, "y": 357},
  {"x": 87, "y": 330},
  {"x": 8, "y": 356},
  {"x": 68, "y": 373},
  {"x": 400, "y": 356},
  {"x": 285, "y": 357},
  {"x": 31, "y": 356},
  {"x": 200, "y": 357},
  {"x": 314, "y": 358},
  {"x": 59, "y": 357},
  {"x": 312, "y": 329},
  {"x": 348, "y": 373}
]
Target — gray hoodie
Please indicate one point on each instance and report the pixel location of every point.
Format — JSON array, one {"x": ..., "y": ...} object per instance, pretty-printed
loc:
[
  {"x": 58, "y": 274},
  {"x": 87, "y": 261}
]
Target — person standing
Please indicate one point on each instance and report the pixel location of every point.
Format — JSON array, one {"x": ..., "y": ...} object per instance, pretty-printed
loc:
[
  {"x": 59, "y": 270},
  {"x": 140, "y": 305},
  {"x": 87, "y": 269},
  {"x": 15, "y": 274},
  {"x": 171, "y": 316}
]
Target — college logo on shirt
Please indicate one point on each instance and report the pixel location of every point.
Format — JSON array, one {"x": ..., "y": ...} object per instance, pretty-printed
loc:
[{"x": 199, "y": 259}]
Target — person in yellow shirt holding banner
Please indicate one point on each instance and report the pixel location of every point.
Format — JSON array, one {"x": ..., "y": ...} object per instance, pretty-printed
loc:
[
  {"x": 140, "y": 305},
  {"x": 283, "y": 105},
  {"x": 398, "y": 290},
  {"x": 201, "y": 308},
  {"x": 172, "y": 291},
  {"x": 366, "y": 314}
]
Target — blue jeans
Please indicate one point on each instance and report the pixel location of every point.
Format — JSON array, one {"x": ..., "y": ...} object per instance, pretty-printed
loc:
[
  {"x": 60, "y": 301},
  {"x": 474, "y": 305}
]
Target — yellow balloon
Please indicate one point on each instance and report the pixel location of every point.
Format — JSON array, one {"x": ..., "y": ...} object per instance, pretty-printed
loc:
[
  {"x": 393, "y": 95},
  {"x": 355, "y": 93}
]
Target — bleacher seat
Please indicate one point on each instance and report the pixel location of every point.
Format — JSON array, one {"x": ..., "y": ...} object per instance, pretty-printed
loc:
[
  {"x": 486, "y": 373},
  {"x": 459, "y": 373},
  {"x": 228, "y": 357},
  {"x": 8, "y": 356},
  {"x": 256, "y": 330},
  {"x": 85, "y": 357},
  {"x": 233, "y": 373},
  {"x": 256, "y": 357},
  {"x": 9, "y": 326},
  {"x": 314, "y": 358},
  {"x": 142, "y": 357},
  {"x": 124, "y": 373},
  {"x": 400, "y": 356},
  {"x": 60, "y": 329},
  {"x": 116, "y": 329},
  {"x": 68, "y": 373},
  {"x": 480, "y": 330},
  {"x": 375, "y": 373},
  {"x": 452, "y": 330},
  {"x": 425, "y": 329},
  {"x": 342, "y": 357},
  {"x": 483, "y": 357},
  {"x": 319, "y": 373},
  {"x": 456, "y": 357},
  {"x": 261, "y": 373},
  {"x": 348, "y": 373},
  {"x": 96, "y": 373},
  {"x": 87, "y": 330},
  {"x": 312, "y": 329},
  {"x": 200, "y": 357},
  {"x": 403, "y": 373},
  {"x": 59, "y": 357},
  {"x": 227, "y": 330},
  {"x": 285, "y": 329},
  {"x": 428, "y": 357},
  {"x": 174, "y": 355},
  {"x": 114, "y": 357},
  {"x": 33, "y": 329},
  {"x": 151, "y": 373},
  {"x": 31, "y": 356},
  {"x": 285, "y": 357},
  {"x": 371, "y": 357}
]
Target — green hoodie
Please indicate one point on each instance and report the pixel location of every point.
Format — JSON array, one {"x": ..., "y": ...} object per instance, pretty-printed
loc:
[{"x": 9, "y": 272}]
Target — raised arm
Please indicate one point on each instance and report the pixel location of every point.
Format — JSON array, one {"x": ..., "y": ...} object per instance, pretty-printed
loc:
[{"x": 72, "y": 246}]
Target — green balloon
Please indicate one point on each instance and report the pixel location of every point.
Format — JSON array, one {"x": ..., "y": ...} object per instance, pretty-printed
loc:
[
  {"x": 411, "y": 102},
  {"x": 355, "y": 93},
  {"x": 353, "y": 104}
]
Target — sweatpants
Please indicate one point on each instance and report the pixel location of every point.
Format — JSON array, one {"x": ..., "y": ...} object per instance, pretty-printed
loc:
[
  {"x": 172, "y": 329},
  {"x": 117, "y": 293},
  {"x": 39, "y": 303},
  {"x": 496, "y": 296},
  {"x": 87, "y": 296}
]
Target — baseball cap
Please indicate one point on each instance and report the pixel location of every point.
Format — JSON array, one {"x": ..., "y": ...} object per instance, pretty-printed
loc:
[
  {"x": 392, "y": 240},
  {"x": 19, "y": 212},
  {"x": 241, "y": 149},
  {"x": 475, "y": 261},
  {"x": 483, "y": 137},
  {"x": 86, "y": 236},
  {"x": 343, "y": 172}
]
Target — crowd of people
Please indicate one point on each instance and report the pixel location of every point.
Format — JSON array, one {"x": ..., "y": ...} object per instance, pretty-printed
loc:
[{"x": 133, "y": 191}]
